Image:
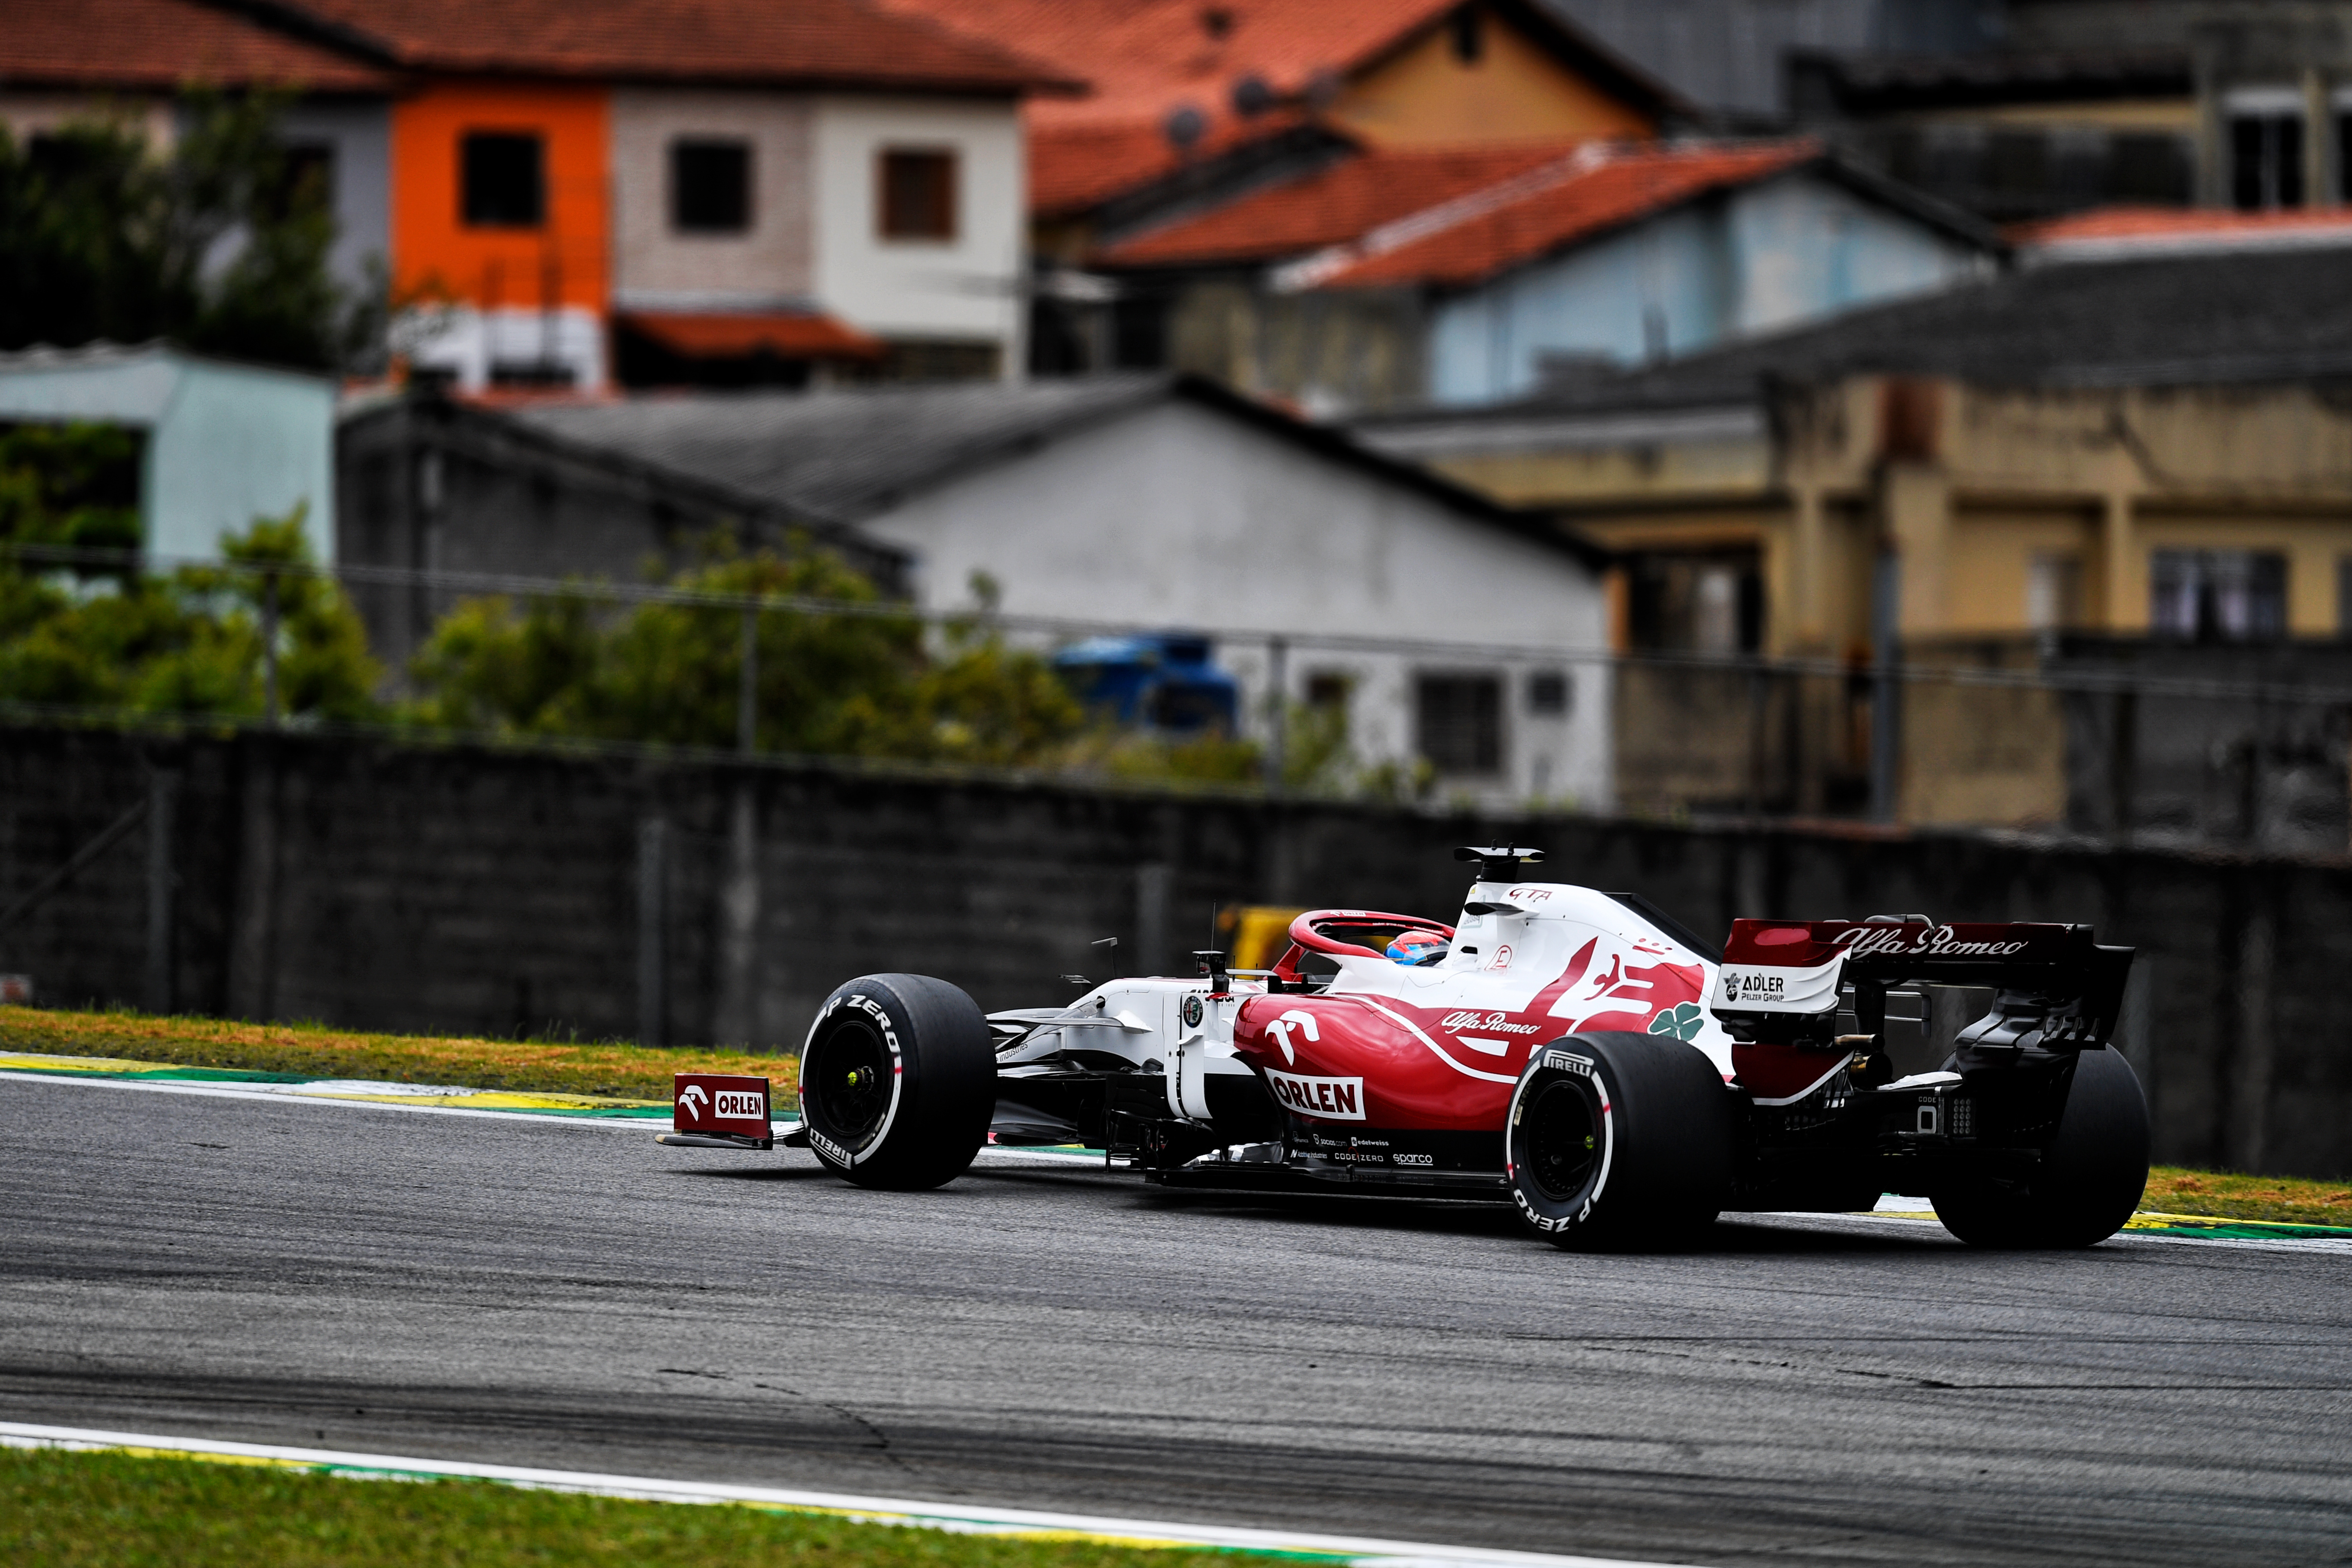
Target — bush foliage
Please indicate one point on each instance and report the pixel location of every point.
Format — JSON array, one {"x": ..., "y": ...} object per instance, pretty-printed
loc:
[
  {"x": 864, "y": 683},
  {"x": 219, "y": 245},
  {"x": 190, "y": 642}
]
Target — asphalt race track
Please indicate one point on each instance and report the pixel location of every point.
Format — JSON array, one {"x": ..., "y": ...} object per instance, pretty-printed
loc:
[{"x": 581, "y": 1298}]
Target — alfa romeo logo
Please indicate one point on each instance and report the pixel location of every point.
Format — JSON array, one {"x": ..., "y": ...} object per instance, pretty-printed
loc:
[{"x": 1191, "y": 1010}]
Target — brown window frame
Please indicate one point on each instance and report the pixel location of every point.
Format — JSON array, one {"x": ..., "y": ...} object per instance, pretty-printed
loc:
[{"x": 941, "y": 224}]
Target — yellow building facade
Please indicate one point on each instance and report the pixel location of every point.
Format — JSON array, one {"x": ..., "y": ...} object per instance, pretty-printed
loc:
[{"x": 2013, "y": 514}]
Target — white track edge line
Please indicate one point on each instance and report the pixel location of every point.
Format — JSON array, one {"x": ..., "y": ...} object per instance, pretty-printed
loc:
[
  {"x": 990, "y": 1152},
  {"x": 229, "y": 1091},
  {"x": 884, "y": 1510}
]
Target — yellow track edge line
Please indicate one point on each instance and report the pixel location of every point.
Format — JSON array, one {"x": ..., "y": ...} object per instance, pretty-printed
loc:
[{"x": 1025, "y": 1523}]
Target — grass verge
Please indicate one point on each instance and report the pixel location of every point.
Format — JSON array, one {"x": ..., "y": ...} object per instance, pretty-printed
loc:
[
  {"x": 2176, "y": 1189},
  {"x": 611, "y": 1071},
  {"x": 84, "y": 1509}
]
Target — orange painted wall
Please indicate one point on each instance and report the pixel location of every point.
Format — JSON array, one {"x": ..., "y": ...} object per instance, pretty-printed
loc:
[
  {"x": 434, "y": 253},
  {"x": 1423, "y": 97}
]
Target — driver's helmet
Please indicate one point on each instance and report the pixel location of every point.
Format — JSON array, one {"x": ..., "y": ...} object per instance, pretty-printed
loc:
[{"x": 1417, "y": 947}]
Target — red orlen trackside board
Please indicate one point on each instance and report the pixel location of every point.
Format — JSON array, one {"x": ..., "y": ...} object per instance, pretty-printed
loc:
[{"x": 720, "y": 1103}]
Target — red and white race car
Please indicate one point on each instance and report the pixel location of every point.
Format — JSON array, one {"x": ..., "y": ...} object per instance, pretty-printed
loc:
[{"x": 1576, "y": 1053}]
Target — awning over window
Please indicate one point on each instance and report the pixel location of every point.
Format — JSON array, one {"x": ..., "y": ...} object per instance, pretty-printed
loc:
[{"x": 716, "y": 335}]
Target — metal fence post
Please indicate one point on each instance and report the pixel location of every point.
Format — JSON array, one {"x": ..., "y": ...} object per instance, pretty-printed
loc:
[
  {"x": 163, "y": 886},
  {"x": 269, "y": 649},
  {"x": 746, "y": 684},
  {"x": 1886, "y": 695},
  {"x": 1277, "y": 714},
  {"x": 653, "y": 1001}
]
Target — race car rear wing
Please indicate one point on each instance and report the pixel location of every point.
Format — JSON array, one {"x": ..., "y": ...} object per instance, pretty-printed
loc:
[{"x": 1784, "y": 979}]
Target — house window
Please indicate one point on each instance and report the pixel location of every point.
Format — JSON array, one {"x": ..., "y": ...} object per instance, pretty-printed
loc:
[
  {"x": 1548, "y": 694},
  {"x": 1329, "y": 689},
  {"x": 2265, "y": 148},
  {"x": 502, "y": 179},
  {"x": 710, "y": 186},
  {"x": 1697, "y": 604},
  {"x": 1458, "y": 719},
  {"x": 306, "y": 179},
  {"x": 2218, "y": 595},
  {"x": 2340, "y": 101},
  {"x": 919, "y": 195},
  {"x": 2053, "y": 593}
]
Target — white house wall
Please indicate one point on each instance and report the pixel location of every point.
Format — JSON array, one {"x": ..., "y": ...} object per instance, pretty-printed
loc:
[
  {"x": 237, "y": 444},
  {"x": 653, "y": 266},
  {"x": 1664, "y": 286},
  {"x": 968, "y": 290},
  {"x": 1769, "y": 256},
  {"x": 1178, "y": 517},
  {"x": 358, "y": 131},
  {"x": 1807, "y": 248}
]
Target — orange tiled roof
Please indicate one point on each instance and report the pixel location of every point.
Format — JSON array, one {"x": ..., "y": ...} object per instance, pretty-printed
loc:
[
  {"x": 1332, "y": 207},
  {"x": 1072, "y": 167},
  {"x": 814, "y": 42},
  {"x": 160, "y": 45},
  {"x": 1144, "y": 58},
  {"x": 1596, "y": 189},
  {"x": 2165, "y": 228},
  {"x": 806, "y": 334}
]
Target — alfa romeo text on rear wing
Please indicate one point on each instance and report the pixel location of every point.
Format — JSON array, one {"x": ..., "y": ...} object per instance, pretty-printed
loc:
[{"x": 1782, "y": 979}]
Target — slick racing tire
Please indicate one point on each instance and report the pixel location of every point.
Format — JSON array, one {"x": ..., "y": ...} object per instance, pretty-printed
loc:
[
  {"x": 1619, "y": 1141},
  {"x": 897, "y": 1081},
  {"x": 2090, "y": 1179}
]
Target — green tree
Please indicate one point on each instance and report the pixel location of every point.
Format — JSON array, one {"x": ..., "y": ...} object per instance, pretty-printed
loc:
[
  {"x": 862, "y": 681},
  {"x": 219, "y": 245},
  {"x": 70, "y": 485},
  {"x": 191, "y": 643}
]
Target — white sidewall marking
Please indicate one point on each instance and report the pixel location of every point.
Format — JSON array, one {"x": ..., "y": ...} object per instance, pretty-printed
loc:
[{"x": 1608, "y": 1142}]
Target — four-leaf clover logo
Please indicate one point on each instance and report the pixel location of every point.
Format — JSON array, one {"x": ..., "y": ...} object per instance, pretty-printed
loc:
[{"x": 1682, "y": 1021}]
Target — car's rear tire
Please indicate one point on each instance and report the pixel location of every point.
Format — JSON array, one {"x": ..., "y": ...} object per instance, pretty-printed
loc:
[
  {"x": 2090, "y": 1179},
  {"x": 897, "y": 1081},
  {"x": 1619, "y": 1141}
]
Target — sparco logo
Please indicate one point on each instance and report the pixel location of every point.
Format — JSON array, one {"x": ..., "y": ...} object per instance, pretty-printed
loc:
[
  {"x": 1918, "y": 942},
  {"x": 1494, "y": 1023},
  {"x": 1332, "y": 1099}
]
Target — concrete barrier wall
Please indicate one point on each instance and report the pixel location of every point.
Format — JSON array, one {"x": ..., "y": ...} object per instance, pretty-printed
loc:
[{"x": 466, "y": 890}]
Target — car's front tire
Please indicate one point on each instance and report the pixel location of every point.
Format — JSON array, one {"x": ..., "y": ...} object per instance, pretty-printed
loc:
[
  {"x": 1618, "y": 1141},
  {"x": 897, "y": 1081},
  {"x": 2090, "y": 1179}
]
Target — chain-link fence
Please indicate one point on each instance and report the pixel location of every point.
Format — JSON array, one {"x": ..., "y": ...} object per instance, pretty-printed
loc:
[{"x": 2122, "y": 741}]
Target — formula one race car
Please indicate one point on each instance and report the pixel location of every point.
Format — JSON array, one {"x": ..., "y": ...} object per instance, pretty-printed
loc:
[{"x": 1576, "y": 1053}]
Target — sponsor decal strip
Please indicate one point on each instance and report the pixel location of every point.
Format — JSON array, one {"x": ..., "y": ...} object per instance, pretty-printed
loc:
[
  {"x": 1414, "y": 1029},
  {"x": 1031, "y": 1523}
]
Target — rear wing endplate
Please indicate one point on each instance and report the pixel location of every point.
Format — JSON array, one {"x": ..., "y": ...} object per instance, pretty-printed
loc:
[{"x": 1792, "y": 971}]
